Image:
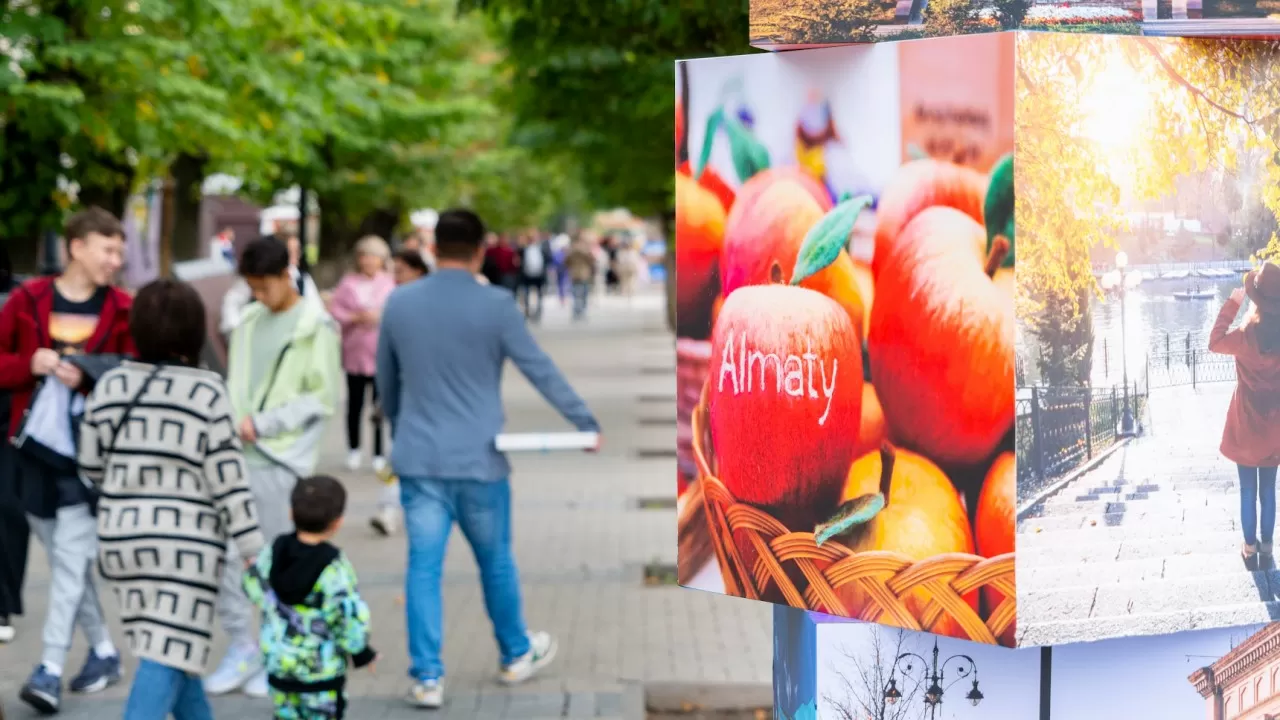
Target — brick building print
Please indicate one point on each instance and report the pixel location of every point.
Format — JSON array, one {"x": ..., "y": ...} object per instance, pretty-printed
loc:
[{"x": 1244, "y": 684}]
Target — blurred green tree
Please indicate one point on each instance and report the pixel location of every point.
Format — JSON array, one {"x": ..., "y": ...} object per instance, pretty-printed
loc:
[{"x": 597, "y": 85}]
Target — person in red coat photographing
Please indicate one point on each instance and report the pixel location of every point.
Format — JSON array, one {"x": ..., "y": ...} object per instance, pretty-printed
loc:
[
  {"x": 42, "y": 323},
  {"x": 1251, "y": 435}
]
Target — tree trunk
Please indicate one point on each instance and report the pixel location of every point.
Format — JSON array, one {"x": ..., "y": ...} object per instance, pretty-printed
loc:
[
  {"x": 336, "y": 231},
  {"x": 110, "y": 186},
  {"x": 188, "y": 182},
  {"x": 381, "y": 222},
  {"x": 24, "y": 254}
]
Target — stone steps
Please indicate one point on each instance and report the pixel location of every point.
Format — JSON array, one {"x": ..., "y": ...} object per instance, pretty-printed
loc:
[
  {"x": 1202, "y": 518},
  {"x": 1074, "y": 614},
  {"x": 1075, "y": 631},
  {"x": 1065, "y": 532},
  {"x": 1065, "y": 548},
  {"x": 1201, "y": 482},
  {"x": 1198, "y": 566},
  {"x": 1172, "y": 504}
]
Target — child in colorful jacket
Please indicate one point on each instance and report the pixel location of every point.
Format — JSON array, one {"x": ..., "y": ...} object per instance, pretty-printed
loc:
[{"x": 315, "y": 623}]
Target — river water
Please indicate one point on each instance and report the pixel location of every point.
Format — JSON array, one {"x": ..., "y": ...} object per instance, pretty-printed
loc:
[{"x": 1156, "y": 323}]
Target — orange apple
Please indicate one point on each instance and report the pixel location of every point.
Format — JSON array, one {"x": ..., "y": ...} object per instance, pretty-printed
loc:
[
  {"x": 996, "y": 522},
  {"x": 922, "y": 517},
  {"x": 871, "y": 431}
]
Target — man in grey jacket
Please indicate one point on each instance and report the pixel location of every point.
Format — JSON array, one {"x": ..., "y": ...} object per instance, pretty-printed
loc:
[{"x": 442, "y": 347}]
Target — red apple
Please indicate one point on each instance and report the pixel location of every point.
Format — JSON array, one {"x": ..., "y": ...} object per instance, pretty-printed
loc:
[
  {"x": 773, "y": 213},
  {"x": 995, "y": 523},
  {"x": 942, "y": 340},
  {"x": 784, "y": 399},
  {"x": 712, "y": 181},
  {"x": 917, "y": 186},
  {"x": 699, "y": 236}
]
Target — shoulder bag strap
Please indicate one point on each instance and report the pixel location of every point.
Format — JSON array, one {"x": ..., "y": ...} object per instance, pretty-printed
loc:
[{"x": 128, "y": 410}]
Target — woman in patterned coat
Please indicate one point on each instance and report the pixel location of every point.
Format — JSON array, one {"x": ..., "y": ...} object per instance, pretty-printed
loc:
[{"x": 159, "y": 443}]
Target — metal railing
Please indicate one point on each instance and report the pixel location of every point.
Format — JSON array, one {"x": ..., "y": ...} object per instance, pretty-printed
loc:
[
  {"x": 1189, "y": 367},
  {"x": 1058, "y": 429}
]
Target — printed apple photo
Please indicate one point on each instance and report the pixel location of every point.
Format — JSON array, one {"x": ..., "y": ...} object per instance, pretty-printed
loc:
[{"x": 844, "y": 265}]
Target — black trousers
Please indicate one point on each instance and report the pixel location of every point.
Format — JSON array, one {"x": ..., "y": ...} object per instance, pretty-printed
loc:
[
  {"x": 14, "y": 532},
  {"x": 357, "y": 386}
]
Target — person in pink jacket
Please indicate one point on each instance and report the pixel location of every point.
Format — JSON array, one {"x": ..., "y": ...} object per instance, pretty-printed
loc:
[{"x": 357, "y": 307}]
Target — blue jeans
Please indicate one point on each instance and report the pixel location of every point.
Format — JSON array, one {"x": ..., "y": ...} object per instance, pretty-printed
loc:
[
  {"x": 483, "y": 511},
  {"x": 581, "y": 291},
  {"x": 1257, "y": 483},
  {"x": 159, "y": 691}
]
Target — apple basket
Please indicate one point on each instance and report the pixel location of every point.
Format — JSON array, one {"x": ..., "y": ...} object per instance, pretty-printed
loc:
[
  {"x": 807, "y": 575},
  {"x": 693, "y": 362}
]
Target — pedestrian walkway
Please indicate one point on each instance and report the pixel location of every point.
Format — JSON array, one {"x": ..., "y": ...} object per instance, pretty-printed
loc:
[
  {"x": 1148, "y": 541},
  {"x": 582, "y": 544}
]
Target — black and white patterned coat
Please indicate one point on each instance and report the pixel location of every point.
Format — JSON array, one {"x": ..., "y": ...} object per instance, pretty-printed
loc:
[{"x": 174, "y": 493}]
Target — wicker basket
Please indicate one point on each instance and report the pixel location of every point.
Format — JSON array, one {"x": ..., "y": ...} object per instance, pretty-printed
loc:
[
  {"x": 806, "y": 575},
  {"x": 693, "y": 362}
]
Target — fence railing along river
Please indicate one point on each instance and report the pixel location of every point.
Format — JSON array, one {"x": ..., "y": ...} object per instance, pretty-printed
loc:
[{"x": 1059, "y": 429}]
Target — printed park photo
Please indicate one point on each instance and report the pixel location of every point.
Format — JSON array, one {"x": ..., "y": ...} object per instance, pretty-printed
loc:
[
  {"x": 786, "y": 24},
  {"x": 1148, "y": 373}
]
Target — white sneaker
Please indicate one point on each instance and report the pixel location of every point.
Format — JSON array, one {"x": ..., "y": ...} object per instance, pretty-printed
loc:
[
  {"x": 542, "y": 650},
  {"x": 427, "y": 694},
  {"x": 240, "y": 664},
  {"x": 386, "y": 522},
  {"x": 379, "y": 463},
  {"x": 353, "y": 460},
  {"x": 257, "y": 687},
  {"x": 7, "y": 633}
]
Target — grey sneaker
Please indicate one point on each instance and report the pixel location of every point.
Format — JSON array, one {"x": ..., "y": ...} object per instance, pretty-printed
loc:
[
  {"x": 542, "y": 650},
  {"x": 427, "y": 694}
]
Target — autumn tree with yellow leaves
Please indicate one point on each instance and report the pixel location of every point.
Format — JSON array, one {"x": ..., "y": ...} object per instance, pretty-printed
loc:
[{"x": 1086, "y": 147}]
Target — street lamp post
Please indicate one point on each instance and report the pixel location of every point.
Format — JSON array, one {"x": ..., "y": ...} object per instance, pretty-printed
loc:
[
  {"x": 933, "y": 673},
  {"x": 1126, "y": 417}
]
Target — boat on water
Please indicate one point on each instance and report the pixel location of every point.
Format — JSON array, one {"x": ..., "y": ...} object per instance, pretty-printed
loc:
[
  {"x": 1175, "y": 275},
  {"x": 1216, "y": 273},
  {"x": 1196, "y": 294}
]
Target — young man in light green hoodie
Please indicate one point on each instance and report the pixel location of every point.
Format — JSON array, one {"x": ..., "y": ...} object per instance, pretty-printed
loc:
[{"x": 283, "y": 373}]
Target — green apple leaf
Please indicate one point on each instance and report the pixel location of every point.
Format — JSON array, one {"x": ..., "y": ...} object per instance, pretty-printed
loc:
[
  {"x": 864, "y": 508},
  {"x": 708, "y": 141},
  {"x": 825, "y": 240},
  {"x": 858, "y": 511},
  {"x": 998, "y": 207},
  {"x": 749, "y": 155}
]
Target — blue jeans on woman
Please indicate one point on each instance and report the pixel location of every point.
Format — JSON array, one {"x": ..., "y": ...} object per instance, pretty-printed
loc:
[
  {"x": 160, "y": 691},
  {"x": 1257, "y": 483},
  {"x": 483, "y": 510}
]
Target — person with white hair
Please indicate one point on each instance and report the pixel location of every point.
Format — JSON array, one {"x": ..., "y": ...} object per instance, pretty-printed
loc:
[{"x": 357, "y": 305}]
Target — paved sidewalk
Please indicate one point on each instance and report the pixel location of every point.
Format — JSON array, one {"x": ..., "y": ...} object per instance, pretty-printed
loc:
[
  {"x": 1147, "y": 542},
  {"x": 581, "y": 543}
]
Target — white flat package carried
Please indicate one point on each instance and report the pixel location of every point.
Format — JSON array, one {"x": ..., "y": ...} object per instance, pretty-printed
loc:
[{"x": 546, "y": 441}]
